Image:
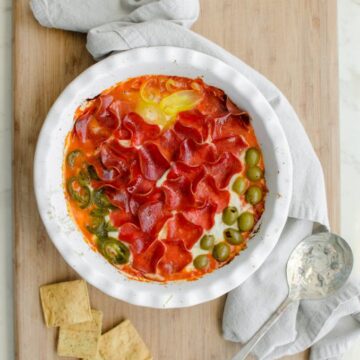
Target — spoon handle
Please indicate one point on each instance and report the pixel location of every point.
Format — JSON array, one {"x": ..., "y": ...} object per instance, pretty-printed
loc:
[{"x": 244, "y": 352}]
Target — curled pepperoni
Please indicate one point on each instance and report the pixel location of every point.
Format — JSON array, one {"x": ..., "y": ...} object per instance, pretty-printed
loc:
[
  {"x": 104, "y": 175},
  {"x": 233, "y": 144},
  {"x": 138, "y": 240},
  {"x": 208, "y": 192},
  {"x": 140, "y": 130},
  {"x": 152, "y": 216},
  {"x": 168, "y": 144},
  {"x": 147, "y": 260},
  {"x": 179, "y": 228},
  {"x": 178, "y": 193},
  {"x": 136, "y": 200},
  {"x": 138, "y": 184},
  {"x": 212, "y": 105},
  {"x": 191, "y": 173},
  {"x": 196, "y": 121},
  {"x": 122, "y": 134},
  {"x": 120, "y": 216},
  {"x": 186, "y": 132},
  {"x": 223, "y": 169},
  {"x": 118, "y": 109},
  {"x": 102, "y": 104},
  {"x": 114, "y": 155},
  {"x": 152, "y": 162},
  {"x": 119, "y": 198},
  {"x": 229, "y": 125},
  {"x": 97, "y": 123},
  {"x": 81, "y": 124},
  {"x": 175, "y": 258},
  {"x": 195, "y": 154},
  {"x": 202, "y": 216}
]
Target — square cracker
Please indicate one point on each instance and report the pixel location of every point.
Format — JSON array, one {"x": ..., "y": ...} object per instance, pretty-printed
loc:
[
  {"x": 80, "y": 340},
  {"x": 65, "y": 303},
  {"x": 122, "y": 342}
]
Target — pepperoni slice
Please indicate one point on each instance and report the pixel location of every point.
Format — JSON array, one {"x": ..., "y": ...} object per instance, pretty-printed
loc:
[
  {"x": 202, "y": 216},
  {"x": 233, "y": 144},
  {"x": 138, "y": 240},
  {"x": 178, "y": 193},
  {"x": 122, "y": 134},
  {"x": 140, "y": 130},
  {"x": 180, "y": 228},
  {"x": 136, "y": 200},
  {"x": 168, "y": 143},
  {"x": 119, "y": 109},
  {"x": 175, "y": 258},
  {"x": 119, "y": 217},
  {"x": 138, "y": 184},
  {"x": 106, "y": 118},
  {"x": 229, "y": 125},
  {"x": 119, "y": 198},
  {"x": 114, "y": 155},
  {"x": 106, "y": 175},
  {"x": 102, "y": 104},
  {"x": 96, "y": 123},
  {"x": 195, "y": 154},
  {"x": 147, "y": 261},
  {"x": 192, "y": 173},
  {"x": 152, "y": 162},
  {"x": 197, "y": 121},
  {"x": 187, "y": 132},
  {"x": 223, "y": 169},
  {"x": 212, "y": 105},
  {"x": 207, "y": 191},
  {"x": 152, "y": 216}
]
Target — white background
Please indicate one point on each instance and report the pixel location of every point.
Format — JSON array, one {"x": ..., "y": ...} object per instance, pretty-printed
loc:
[{"x": 349, "y": 73}]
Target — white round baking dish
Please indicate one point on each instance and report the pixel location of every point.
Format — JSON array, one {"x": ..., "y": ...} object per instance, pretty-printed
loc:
[{"x": 68, "y": 239}]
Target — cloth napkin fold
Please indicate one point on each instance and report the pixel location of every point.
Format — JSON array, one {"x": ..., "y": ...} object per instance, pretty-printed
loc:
[{"x": 329, "y": 325}]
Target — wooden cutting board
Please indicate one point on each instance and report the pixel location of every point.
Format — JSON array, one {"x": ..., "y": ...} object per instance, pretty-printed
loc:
[{"x": 293, "y": 43}]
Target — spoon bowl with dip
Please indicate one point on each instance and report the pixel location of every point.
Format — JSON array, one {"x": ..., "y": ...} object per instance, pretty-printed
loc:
[{"x": 318, "y": 266}]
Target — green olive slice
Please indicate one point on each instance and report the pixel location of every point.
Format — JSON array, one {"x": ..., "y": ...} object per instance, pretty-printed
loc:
[
  {"x": 253, "y": 195},
  {"x": 81, "y": 194},
  {"x": 201, "y": 262},
  {"x": 221, "y": 251},
  {"x": 72, "y": 156},
  {"x": 230, "y": 214},
  {"x": 252, "y": 156},
  {"x": 239, "y": 185},
  {"x": 233, "y": 236},
  {"x": 246, "y": 221},
  {"x": 254, "y": 173},
  {"x": 207, "y": 242},
  {"x": 114, "y": 251}
]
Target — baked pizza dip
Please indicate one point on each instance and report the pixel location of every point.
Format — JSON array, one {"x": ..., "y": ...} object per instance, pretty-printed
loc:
[{"x": 164, "y": 177}]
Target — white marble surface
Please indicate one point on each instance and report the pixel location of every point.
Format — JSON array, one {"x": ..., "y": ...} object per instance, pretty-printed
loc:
[{"x": 349, "y": 64}]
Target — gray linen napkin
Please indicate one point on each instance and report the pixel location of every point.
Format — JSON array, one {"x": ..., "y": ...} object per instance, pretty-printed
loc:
[{"x": 330, "y": 325}]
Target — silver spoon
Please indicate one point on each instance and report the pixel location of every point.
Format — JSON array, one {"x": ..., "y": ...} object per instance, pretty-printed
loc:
[{"x": 318, "y": 267}]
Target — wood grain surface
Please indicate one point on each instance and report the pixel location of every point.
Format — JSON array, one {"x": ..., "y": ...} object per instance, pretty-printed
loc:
[{"x": 291, "y": 42}]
